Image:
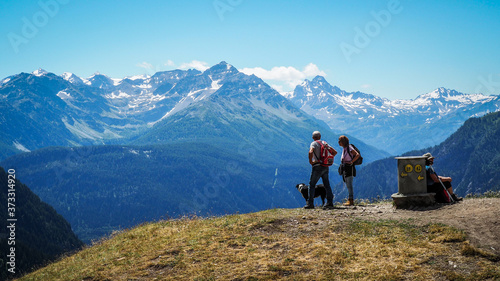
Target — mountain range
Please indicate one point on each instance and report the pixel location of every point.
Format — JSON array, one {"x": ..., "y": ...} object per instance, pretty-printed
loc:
[
  {"x": 42, "y": 109},
  {"x": 396, "y": 126}
]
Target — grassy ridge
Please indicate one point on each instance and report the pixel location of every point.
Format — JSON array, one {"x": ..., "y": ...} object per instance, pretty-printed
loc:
[{"x": 287, "y": 244}]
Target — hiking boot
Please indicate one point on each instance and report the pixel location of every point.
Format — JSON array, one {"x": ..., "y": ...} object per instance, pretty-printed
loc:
[
  {"x": 456, "y": 198},
  {"x": 350, "y": 202},
  {"x": 328, "y": 206},
  {"x": 309, "y": 206}
]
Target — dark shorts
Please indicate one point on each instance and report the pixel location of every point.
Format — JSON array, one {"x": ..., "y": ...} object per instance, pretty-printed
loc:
[{"x": 437, "y": 188}]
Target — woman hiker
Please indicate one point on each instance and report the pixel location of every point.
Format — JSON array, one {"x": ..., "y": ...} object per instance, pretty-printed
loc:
[{"x": 349, "y": 156}]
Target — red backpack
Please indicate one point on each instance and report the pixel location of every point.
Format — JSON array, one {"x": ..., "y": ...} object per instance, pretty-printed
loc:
[{"x": 325, "y": 158}]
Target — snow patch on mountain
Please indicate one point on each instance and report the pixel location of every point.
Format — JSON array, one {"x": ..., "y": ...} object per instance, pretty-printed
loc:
[
  {"x": 86, "y": 81},
  {"x": 72, "y": 78},
  {"x": 20, "y": 147},
  {"x": 39, "y": 72},
  {"x": 190, "y": 98},
  {"x": 64, "y": 95},
  {"x": 67, "y": 75},
  {"x": 116, "y": 81},
  {"x": 215, "y": 84},
  {"x": 138, "y": 77},
  {"x": 4, "y": 81},
  {"x": 280, "y": 112},
  {"x": 145, "y": 86},
  {"x": 84, "y": 131},
  {"x": 119, "y": 95}
]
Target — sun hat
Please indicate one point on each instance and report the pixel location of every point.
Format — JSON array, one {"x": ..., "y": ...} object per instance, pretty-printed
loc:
[{"x": 428, "y": 156}]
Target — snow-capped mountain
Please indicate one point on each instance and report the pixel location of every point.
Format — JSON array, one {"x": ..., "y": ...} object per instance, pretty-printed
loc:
[
  {"x": 225, "y": 102},
  {"x": 43, "y": 109},
  {"x": 395, "y": 126},
  {"x": 72, "y": 78},
  {"x": 39, "y": 72},
  {"x": 224, "y": 105}
]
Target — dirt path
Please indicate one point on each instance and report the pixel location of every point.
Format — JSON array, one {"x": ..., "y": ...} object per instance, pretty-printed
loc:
[{"x": 478, "y": 217}]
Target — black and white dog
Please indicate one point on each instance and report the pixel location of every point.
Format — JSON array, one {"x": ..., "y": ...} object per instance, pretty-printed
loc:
[{"x": 318, "y": 191}]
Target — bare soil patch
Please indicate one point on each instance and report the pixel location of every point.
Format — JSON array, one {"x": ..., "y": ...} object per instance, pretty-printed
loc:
[{"x": 478, "y": 217}]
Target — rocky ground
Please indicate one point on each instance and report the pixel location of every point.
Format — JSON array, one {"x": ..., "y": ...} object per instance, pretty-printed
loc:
[{"x": 478, "y": 217}]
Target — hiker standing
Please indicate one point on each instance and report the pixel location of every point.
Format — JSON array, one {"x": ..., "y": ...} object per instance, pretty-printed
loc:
[
  {"x": 348, "y": 171},
  {"x": 435, "y": 183},
  {"x": 319, "y": 171}
]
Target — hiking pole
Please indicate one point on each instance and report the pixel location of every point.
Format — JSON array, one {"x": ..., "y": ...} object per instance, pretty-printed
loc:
[{"x": 444, "y": 187}]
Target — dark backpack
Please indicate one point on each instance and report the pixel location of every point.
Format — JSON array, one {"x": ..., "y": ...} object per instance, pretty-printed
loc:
[
  {"x": 325, "y": 158},
  {"x": 360, "y": 158}
]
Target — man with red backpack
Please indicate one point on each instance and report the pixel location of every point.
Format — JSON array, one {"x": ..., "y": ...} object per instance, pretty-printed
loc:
[{"x": 320, "y": 157}]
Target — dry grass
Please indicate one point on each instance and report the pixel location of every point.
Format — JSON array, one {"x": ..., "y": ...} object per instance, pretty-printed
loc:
[{"x": 287, "y": 244}]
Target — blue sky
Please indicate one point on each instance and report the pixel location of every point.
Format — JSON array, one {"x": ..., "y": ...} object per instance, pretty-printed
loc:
[{"x": 393, "y": 49}]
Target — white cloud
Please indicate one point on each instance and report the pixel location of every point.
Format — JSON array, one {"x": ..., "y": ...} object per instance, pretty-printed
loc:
[
  {"x": 278, "y": 88},
  {"x": 287, "y": 75},
  {"x": 198, "y": 65},
  {"x": 169, "y": 63},
  {"x": 312, "y": 70},
  {"x": 145, "y": 65}
]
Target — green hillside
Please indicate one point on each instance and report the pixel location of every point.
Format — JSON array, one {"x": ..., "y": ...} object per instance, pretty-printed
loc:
[
  {"x": 38, "y": 234},
  {"x": 99, "y": 189},
  {"x": 285, "y": 244}
]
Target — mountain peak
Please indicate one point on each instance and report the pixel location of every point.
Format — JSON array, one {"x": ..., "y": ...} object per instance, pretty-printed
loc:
[
  {"x": 39, "y": 72},
  {"x": 220, "y": 70},
  {"x": 223, "y": 66},
  {"x": 439, "y": 93},
  {"x": 67, "y": 75},
  {"x": 319, "y": 79},
  {"x": 223, "y": 63},
  {"x": 72, "y": 78},
  {"x": 97, "y": 73},
  {"x": 443, "y": 91}
]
